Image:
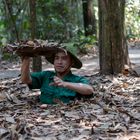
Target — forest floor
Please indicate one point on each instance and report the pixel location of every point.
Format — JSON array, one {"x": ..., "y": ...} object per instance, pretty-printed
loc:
[{"x": 113, "y": 113}]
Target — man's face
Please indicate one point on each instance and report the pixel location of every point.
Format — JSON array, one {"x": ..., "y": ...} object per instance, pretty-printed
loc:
[{"x": 62, "y": 62}]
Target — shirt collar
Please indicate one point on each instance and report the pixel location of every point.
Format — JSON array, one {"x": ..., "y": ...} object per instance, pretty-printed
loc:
[
  {"x": 65, "y": 78},
  {"x": 68, "y": 76}
]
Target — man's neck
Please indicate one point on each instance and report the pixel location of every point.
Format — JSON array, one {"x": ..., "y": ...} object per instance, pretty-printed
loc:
[{"x": 62, "y": 74}]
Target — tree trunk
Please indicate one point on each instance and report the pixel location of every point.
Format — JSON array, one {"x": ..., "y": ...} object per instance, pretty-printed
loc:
[
  {"x": 37, "y": 63},
  {"x": 112, "y": 43},
  {"x": 89, "y": 17}
]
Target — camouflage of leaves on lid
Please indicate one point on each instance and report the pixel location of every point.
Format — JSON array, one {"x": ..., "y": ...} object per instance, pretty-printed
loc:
[
  {"x": 32, "y": 48},
  {"x": 42, "y": 48}
]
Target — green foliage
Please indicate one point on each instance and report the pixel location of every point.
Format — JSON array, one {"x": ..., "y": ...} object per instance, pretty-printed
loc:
[
  {"x": 85, "y": 43},
  {"x": 71, "y": 47},
  {"x": 59, "y": 20},
  {"x": 13, "y": 19},
  {"x": 81, "y": 43},
  {"x": 9, "y": 56},
  {"x": 6, "y": 56},
  {"x": 132, "y": 23}
]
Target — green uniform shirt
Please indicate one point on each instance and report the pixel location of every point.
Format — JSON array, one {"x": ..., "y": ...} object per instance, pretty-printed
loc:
[{"x": 41, "y": 80}]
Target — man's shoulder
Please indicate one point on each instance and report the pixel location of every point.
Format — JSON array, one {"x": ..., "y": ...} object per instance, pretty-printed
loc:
[
  {"x": 48, "y": 72},
  {"x": 77, "y": 78},
  {"x": 42, "y": 73}
]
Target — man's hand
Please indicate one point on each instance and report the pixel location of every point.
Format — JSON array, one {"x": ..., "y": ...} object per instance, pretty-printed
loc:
[
  {"x": 57, "y": 82},
  {"x": 80, "y": 88}
]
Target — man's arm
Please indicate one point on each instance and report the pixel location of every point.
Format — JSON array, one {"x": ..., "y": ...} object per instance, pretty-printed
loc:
[
  {"x": 25, "y": 71},
  {"x": 81, "y": 88}
]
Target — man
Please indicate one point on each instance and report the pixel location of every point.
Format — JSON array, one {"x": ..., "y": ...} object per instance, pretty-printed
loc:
[{"x": 60, "y": 84}]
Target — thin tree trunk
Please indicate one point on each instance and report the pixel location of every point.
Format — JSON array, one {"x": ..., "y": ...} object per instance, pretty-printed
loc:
[
  {"x": 37, "y": 63},
  {"x": 89, "y": 17},
  {"x": 8, "y": 4}
]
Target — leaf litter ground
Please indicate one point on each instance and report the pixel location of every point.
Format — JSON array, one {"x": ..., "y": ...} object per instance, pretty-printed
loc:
[{"x": 113, "y": 113}]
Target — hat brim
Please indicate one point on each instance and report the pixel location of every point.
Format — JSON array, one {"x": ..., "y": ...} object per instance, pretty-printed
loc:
[{"x": 51, "y": 54}]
